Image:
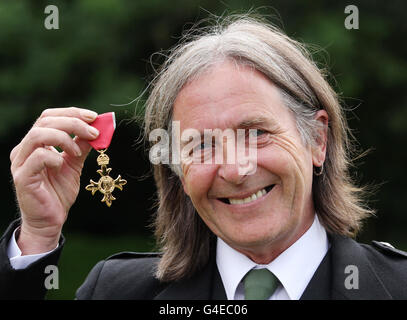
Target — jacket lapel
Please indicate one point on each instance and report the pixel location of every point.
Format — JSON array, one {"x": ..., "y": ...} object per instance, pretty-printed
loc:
[
  {"x": 218, "y": 290},
  {"x": 205, "y": 284},
  {"x": 319, "y": 288},
  {"x": 349, "y": 259},
  {"x": 331, "y": 279}
]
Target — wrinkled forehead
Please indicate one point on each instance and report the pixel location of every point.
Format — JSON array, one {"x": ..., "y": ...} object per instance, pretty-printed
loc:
[{"x": 228, "y": 96}]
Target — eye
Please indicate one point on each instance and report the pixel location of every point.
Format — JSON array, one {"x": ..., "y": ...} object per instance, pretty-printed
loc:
[
  {"x": 201, "y": 147},
  {"x": 204, "y": 145},
  {"x": 256, "y": 132}
]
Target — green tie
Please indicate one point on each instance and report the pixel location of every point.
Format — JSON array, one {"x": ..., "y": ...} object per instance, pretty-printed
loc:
[{"x": 259, "y": 284}]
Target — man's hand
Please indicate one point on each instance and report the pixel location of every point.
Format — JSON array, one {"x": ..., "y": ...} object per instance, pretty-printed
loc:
[{"x": 47, "y": 181}]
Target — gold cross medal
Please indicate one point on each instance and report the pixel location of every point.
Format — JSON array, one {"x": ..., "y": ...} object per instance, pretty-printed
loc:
[{"x": 106, "y": 125}]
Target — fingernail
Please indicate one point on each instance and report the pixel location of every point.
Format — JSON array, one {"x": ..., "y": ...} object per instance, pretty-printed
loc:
[
  {"x": 89, "y": 115},
  {"x": 78, "y": 151},
  {"x": 93, "y": 131}
]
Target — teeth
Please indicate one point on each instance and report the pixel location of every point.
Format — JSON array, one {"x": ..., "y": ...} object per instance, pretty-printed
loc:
[{"x": 251, "y": 198}]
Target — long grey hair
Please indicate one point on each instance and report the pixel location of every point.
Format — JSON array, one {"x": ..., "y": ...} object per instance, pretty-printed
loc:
[{"x": 182, "y": 236}]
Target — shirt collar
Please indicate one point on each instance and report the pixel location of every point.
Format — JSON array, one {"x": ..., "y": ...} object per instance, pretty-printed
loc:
[{"x": 294, "y": 267}]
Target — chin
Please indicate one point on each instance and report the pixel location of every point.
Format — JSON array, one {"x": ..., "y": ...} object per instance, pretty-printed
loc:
[
  {"x": 268, "y": 230},
  {"x": 252, "y": 238}
]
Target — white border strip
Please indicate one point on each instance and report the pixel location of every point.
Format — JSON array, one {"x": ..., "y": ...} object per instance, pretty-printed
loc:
[{"x": 114, "y": 120}]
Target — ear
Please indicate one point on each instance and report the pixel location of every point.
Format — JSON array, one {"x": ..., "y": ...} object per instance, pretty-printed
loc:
[
  {"x": 184, "y": 185},
  {"x": 319, "y": 149}
]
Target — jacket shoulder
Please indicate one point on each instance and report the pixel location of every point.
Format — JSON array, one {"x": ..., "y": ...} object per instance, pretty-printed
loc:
[
  {"x": 126, "y": 255},
  {"x": 125, "y": 275},
  {"x": 388, "y": 249},
  {"x": 387, "y": 256},
  {"x": 390, "y": 265}
]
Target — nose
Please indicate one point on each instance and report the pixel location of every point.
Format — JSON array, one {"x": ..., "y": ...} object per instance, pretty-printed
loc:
[{"x": 231, "y": 173}]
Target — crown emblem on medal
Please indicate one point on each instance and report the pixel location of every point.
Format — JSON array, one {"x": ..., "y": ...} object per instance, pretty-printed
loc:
[{"x": 103, "y": 159}]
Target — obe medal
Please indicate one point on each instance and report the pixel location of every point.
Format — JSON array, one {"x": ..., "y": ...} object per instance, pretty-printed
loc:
[{"x": 106, "y": 124}]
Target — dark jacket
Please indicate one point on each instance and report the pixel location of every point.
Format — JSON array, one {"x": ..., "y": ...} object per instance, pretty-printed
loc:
[{"x": 382, "y": 274}]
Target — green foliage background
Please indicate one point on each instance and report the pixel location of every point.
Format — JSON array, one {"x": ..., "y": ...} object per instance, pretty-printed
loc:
[{"x": 101, "y": 56}]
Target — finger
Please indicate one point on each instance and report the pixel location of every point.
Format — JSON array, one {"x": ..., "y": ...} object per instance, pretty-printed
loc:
[
  {"x": 14, "y": 152},
  {"x": 53, "y": 149},
  {"x": 83, "y": 114},
  {"x": 70, "y": 125},
  {"x": 40, "y": 137},
  {"x": 38, "y": 160}
]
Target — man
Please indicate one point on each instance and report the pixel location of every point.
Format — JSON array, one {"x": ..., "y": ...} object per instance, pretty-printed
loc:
[{"x": 280, "y": 231}]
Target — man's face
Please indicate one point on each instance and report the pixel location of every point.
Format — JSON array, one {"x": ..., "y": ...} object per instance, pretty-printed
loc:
[{"x": 282, "y": 210}]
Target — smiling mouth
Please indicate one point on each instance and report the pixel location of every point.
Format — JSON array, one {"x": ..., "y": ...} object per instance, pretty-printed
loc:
[{"x": 253, "y": 197}]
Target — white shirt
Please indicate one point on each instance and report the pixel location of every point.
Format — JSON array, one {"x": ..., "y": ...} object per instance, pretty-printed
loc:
[
  {"x": 18, "y": 261},
  {"x": 294, "y": 267}
]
